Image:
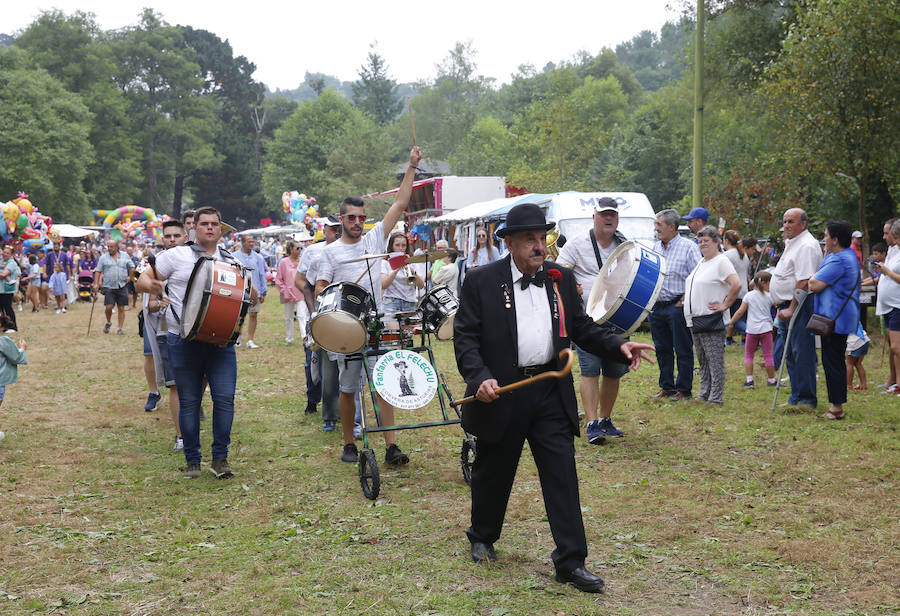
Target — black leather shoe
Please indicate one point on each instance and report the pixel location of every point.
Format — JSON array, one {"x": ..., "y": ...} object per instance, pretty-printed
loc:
[
  {"x": 482, "y": 552},
  {"x": 580, "y": 578}
]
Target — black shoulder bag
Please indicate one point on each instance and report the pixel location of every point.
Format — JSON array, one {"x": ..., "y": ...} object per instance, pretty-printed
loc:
[{"x": 823, "y": 326}]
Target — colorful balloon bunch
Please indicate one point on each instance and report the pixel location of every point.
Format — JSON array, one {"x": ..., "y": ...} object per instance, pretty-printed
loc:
[
  {"x": 131, "y": 221},
  {"x": 299, "y": 208},
  {"x": 21, "y": 221}
]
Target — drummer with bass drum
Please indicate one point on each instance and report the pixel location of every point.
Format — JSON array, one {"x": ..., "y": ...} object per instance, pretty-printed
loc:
[
  {"x": 340, "y": 262},
  {"x": 586, "y": 254},
  {"x": 191, "y": 360}
]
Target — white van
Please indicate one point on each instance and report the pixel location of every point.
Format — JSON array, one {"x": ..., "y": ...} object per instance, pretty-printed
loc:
[{"x": 573, "y": 213}]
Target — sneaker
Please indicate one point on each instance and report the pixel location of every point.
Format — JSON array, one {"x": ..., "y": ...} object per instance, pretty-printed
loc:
[
  {"x": 357, "y": 431},
  {"x": 594, "y": 433},
  {"x": 310, "y": 409},
  {"x": 1, "y": 435},
  {"x": 220, "y": 468},
  {"x": 120, "y": 331},
  {"x": 64, "y": 310},
  {"x": 106, "y": 328},
  {"x": 179, "y": 444},
  {"x": 771, "y": 382},
  {"x": 252, "y": 345},
  {"x": 350, "y": 454},
  {"x": 192, "y": 471},
  {"x": 58, "y": 311},
  {"x": 893, "y": 389},
  {"x": 328, "y": 426},
  {"x": 749, "y": 384},
  {"x": 20, "y": 307},
  {"x": 153, "y": 399},
  {"x": 393, "y": 455},
  {"x": 609, "y": 430}
]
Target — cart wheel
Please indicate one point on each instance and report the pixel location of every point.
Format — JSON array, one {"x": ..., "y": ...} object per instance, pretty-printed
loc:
[
  {"x": 369, "y": 477},
  {"x": 467, "y": 459}
]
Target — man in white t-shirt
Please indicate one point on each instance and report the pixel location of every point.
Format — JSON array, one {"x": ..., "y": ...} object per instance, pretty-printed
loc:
[
  {"x": 326, "y": 389},
  {"x": 333, "y": 267},
  {"x": 798, "y": 263},
  {"x": 585, "y": 255},
  {"x": 192, "y": 361}
]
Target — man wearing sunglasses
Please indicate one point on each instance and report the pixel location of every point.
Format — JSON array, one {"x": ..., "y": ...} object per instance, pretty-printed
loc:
[{"x": 334, "y": 267}]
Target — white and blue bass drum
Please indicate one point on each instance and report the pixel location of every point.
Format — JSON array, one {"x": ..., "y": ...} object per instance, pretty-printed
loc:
[{"x": 626, "y": 287}]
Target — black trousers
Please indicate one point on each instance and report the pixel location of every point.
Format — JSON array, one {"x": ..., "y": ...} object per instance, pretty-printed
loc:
[
  {"x": 834, "y": 349},
  {"x": 6, "y": 307},
  {"x": 542, "y": 421}
]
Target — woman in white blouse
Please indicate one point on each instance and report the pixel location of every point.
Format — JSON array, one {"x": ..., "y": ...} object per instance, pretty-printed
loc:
[{"x": 710, "y": 289}]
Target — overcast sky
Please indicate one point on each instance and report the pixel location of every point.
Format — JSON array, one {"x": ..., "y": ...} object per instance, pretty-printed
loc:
[{"x": 285, "y": 39}]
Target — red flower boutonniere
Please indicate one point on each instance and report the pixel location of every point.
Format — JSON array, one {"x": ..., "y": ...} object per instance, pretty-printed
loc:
[{"x": 555, "y": 275}]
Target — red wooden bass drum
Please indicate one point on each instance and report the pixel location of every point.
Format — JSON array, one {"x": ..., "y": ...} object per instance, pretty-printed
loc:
[{"x": 215, "y": 302}]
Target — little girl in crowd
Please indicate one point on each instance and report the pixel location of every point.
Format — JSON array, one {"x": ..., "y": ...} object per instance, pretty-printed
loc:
[
  {"x": 857, "y": 348},
  {"x": 10, "y": 357},
  {"x": 757, "y": 305},
  {"x": 58, "y": 287}
]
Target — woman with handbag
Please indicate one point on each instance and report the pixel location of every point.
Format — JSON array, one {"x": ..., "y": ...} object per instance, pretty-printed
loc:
[
  {"x": 836, "y": 310},
  {"x": 710, "y": 290}
]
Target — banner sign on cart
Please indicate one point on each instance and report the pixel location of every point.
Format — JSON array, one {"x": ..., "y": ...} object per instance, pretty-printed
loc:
[{"x": 405, "y": 379}]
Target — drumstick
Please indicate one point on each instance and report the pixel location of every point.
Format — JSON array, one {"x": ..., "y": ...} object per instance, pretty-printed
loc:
[
  {"x": 558, "y": 374},
  {"x": 412, "y": 122}
]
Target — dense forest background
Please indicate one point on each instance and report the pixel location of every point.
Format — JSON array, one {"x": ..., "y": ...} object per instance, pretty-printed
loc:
[{"x": 801, "y": 108}]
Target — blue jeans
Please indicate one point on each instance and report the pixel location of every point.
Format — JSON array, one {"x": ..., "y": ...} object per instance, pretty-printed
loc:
[
  {"x": 313, "y": 390},
  {"x": 800, "y": 356},
  {"x": 191, "y": 361},
  {"x": 674, "y": 345},
  {"x": 328, "y": 384}
]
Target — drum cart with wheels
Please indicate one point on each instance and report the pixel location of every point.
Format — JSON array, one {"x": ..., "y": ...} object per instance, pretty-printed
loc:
[{"x": 369, "y": 474}]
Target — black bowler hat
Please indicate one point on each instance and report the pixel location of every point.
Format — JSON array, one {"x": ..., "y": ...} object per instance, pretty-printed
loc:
[{"x": 525, "y": 217}]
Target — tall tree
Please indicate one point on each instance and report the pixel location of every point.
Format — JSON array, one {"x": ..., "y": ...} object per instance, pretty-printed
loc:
[
  {"x": 834, "y": 91},
  {"x": 44, "y": 132},
  {"x": 77, "y": 53},
  {"x": 375, "y": 92},
  {"x": 163, "y": 85}
]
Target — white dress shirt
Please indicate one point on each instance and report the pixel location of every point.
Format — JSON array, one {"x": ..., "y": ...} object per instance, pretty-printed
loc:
[
  {"x": 534, "y": 325},
  {"x": 800, "y": 260}
]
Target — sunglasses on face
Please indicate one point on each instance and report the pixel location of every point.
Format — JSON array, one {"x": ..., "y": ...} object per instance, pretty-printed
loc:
[{"x": 355, "y": 217}]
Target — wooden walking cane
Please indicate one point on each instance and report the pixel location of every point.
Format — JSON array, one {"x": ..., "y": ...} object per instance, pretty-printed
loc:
[
  {"x": 553, "y": 374},
  {"x": 91, "y": 318}
]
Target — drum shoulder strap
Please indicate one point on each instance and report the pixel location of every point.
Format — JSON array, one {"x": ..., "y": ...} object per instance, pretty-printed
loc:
[{"x": 618, "y": 238}]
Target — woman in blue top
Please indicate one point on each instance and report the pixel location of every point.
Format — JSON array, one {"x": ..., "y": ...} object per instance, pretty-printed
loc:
[{"x": 836, "y": 288}]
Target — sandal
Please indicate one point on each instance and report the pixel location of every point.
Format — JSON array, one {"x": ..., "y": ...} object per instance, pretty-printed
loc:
[{"x": 829, "y": 414}]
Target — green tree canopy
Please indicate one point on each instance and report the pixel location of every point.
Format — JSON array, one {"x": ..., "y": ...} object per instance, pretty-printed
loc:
[{"x": 375, "y": 93}]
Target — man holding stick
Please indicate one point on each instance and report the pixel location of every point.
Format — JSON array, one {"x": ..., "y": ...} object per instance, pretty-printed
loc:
[{"x": 515, "y": 316}]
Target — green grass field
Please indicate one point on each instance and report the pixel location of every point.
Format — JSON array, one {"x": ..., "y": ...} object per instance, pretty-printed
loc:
[{"x": 698, "y": 510}]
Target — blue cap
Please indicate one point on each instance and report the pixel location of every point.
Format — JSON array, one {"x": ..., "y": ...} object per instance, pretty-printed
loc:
[{"x": 697, "y": 212}]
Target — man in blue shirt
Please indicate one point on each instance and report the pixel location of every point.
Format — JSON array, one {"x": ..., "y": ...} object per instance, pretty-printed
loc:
[
  {"x": 836, "y": 288},
  {"x": 249, "y": 258}
]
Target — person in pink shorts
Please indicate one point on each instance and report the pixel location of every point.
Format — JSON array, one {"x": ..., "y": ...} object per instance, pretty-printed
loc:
[{"x": 757, "y": 305}]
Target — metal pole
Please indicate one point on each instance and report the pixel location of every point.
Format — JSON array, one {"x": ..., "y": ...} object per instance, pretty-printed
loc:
[
  {"x": 800, "y": 295},
  {"x": 697, "y": 192}
]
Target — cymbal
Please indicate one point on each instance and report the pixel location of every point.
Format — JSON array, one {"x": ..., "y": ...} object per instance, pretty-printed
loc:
[
  {"x": 365, "y": 258},
  {"x": 428, "y": 256}
]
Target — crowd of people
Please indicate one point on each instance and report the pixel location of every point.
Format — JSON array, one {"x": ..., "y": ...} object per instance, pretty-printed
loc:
[{"x": 713, "y": 295}]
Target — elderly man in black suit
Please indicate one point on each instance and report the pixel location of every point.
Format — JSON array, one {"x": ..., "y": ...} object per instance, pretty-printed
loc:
[{"x": 514, "y": 318}]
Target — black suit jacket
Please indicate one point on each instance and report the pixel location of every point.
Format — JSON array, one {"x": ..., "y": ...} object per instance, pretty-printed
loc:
[{"x": 485, "y": 340}]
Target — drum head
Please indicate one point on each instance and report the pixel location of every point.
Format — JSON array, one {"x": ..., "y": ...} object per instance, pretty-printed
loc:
[
  {"x": 613, "y": 281},
  {"x": 445, "y": 331},
  {"x": 338, "y": 332},
  {"x": 194, "y": 296}
]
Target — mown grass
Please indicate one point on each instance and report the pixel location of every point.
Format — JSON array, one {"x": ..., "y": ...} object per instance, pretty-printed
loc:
[{"x": 699, "y": 510}]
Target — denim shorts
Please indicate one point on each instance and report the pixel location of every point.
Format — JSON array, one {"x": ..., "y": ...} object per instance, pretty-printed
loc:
[
  {"x": 162, "y": 343},
  {"x": 591, "y": 365},
  {"x": 861, "y": 351},
  {"x": 117, "y": 297},
  {"x": 892, "y": 320},
  {"x": 350, "y": 376},
  {"x": 2, "y": 392},
  {"x": 395, "y": 304}
]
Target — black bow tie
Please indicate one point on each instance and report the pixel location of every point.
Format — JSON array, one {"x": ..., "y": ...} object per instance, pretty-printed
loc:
[{"x": 537, "y": 280}]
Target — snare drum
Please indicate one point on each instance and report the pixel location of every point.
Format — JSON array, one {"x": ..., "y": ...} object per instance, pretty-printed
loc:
[
  {"x": 438, "y": 308},
  {"x": 215, "y": 302},
  {"x": 339, "y": 323},
  {"x": 392, "y": 339},
  {"x": 627, "y": 287}
]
